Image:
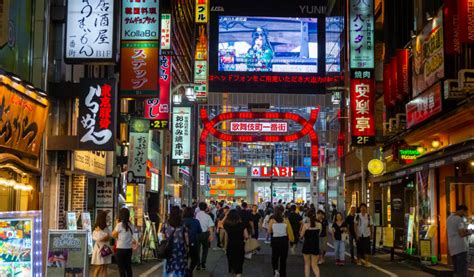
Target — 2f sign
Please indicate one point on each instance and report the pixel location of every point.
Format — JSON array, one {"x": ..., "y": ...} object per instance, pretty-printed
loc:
[{"x": 363, "y": 141}]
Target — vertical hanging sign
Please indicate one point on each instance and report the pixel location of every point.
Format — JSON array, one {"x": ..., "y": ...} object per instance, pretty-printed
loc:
[
  {"x": 466, "y": 20},
  {"x": 165, "y": 36},
  {"x": 181, "y": 147},
  {"x": 202, "y": 11},
  {"x": 140, "y": 20},
  {"x": 451, "y": 27},
  {"x": 157, "y": 109},
  {"x": 362, "y": 94},
  {"x": 402, "y": 72},
  {"x": 361, "y": 40},
  {"x": 387, "y": 87}
]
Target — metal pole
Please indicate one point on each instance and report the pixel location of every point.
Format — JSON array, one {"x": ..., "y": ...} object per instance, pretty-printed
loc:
[
  {"x": 294, "y": 182},
  {"x": 271, "y": 176}
]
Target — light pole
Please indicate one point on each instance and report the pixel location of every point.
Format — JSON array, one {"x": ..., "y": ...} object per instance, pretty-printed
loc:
[
  {"x": 294, "y": 185},
  {"x": 271, "y": 176}
]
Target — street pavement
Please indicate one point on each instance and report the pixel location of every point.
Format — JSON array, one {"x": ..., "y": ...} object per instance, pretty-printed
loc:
[{"x": 260, "y": 265}]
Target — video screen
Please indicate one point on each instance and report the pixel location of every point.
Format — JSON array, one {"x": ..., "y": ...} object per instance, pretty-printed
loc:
[{"x": 268, "y": 44}]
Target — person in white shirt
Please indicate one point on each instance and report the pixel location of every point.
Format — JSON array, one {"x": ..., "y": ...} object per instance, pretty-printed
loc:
[
  {"x": 123, "y": 233},
  {"x": 204, "y": 239},
  {"x": 101, "y": 236},
  {"x": 457, "y": 240},
  {"x": 362, "y": 226}
]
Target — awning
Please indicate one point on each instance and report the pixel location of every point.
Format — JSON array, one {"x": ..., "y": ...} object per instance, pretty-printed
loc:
[{"x": 452, "y": 154}]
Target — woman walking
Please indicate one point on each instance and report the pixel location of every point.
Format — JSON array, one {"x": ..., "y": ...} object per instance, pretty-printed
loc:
[
  {"x": 278, "y": 228},
  {"x": 101, "y": 236},
  {"x": 256, "y": 221},
  {"x": 323, "y": 235},
  {"x": 236, "y": 236},
  {"x": 339, "y": 228},
  {"x": 123, "y": 233},
  {"x": 310, "y": 232},
  {"x": 176, "y": 265},
  {"x": 194, "y": 229}
]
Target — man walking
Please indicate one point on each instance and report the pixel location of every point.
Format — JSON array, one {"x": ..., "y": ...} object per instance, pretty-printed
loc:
[
  {"x": 352, "y": 236},
  {"x": 457, "y": 240},
  {"x": 204, "y": 239},
  {"x": 363, "y": 225}
]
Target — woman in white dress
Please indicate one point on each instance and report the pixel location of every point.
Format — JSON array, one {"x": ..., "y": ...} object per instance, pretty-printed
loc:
[{"x": 101, "y": 236}]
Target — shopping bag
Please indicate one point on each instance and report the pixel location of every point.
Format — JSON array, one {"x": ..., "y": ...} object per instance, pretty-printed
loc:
[{"x": 251, "y": 245}]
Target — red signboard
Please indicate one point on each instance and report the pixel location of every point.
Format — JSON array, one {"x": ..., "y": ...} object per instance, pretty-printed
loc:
[
  {"x": 451, "y": 27},
  {"x": 362, "y": 111},
  {"x": 424, "y": 106},
  {"x": 466, "y": 20},
  {"x": 157, "y": 109},
  {"x": 402, "y": 73},
  {"x": 387, "y": 87},
  {"x": 267, "y": 171}
]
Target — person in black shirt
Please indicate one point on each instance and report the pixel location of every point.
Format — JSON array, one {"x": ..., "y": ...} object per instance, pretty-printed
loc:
[
  {"x": 246, "y": 216},
  {"x": 255, "y": 221},
  {"x": 295, "y": 222},
  {"x": 352, "y": 236},
  {"x": 323, "y": 236},
  {"x": 339, "y": 228}
]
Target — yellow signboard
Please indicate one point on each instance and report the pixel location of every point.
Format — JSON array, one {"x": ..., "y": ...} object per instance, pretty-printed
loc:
[
  {"x": 130, "y": 195},
  {"x": 388, "y": 237},
  {"x": 425, "y": 248},
  {"x": 202, "y": 11},
  {"x": 376, "y": 167}
]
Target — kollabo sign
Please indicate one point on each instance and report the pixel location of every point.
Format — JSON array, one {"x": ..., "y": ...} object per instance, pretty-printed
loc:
[
  {"x": 267, "y": 171},
  {"x": 97, "y": 113},
  {"x": 90, "y": 30},
  {"x": 140, "y": 20}
]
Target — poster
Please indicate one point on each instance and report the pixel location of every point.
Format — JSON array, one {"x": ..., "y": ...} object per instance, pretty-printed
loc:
[
  {"x": 67, "y": 253},
  {"x": 104, "y": 193},
  {"x": 71, "y": 221},
  {"x": 16, "y": 247},
  {"x": 87, "y": 225}
]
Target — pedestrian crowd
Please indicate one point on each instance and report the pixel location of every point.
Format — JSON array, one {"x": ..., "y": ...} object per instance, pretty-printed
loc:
[{"x": 188, "y": 232}]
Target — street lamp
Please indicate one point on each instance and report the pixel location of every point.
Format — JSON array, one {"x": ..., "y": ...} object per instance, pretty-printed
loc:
[{"x": 188, "y": 92}]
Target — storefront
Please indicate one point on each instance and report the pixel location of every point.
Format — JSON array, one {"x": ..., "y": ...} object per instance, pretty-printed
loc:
[
  {"x": 227, "y": 183},
  {"x": 282, "y": 190}
]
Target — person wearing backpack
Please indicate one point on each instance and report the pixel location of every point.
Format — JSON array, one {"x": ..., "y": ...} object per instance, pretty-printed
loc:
[{"x": 362, "y": 226}]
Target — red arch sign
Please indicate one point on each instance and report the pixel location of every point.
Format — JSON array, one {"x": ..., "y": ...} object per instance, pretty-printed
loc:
[{"x": 306, "y": 130}]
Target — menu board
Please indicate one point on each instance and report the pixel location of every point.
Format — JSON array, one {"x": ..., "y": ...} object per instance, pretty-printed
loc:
[
  {"x": 67, "y": 253},
  {"x": 16, "y": 247}
]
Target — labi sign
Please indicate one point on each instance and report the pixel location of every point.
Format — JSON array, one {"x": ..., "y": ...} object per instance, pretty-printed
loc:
[{"x": 97, "y": 113}]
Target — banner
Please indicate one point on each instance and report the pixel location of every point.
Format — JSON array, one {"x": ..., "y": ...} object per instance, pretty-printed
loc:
[
  {"x": 89, "y": 31},
  {"x": 96, "y": 126},
  {"x": 140, "y": 20},
  {"x": 23, "y": 115},
  {"x": 137, "y": 157},
  {"x": 394, "y": 80},
  {"x": 67, "y": 253},
  {"x": 361, "y": 39},
  {"x": 387, "y": 87},
  {"x": 424, "y": 106},
  {"x": 157, "y": 109},
  {"x": 428, "y": 55},
  {"x": 181, "y": 132},
  {"x": 466, "y": 20},
  {"x": 451, "y": 27},
  {"x": 362, "y": 97},
  {"x": 403, "y": 57},
  {"x": 139, "y": 69}
]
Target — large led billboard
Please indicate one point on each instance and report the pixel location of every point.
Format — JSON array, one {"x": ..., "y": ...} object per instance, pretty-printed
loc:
[
  {"x": 274, "y": 47},
  {"x": 268, "y": 44}
]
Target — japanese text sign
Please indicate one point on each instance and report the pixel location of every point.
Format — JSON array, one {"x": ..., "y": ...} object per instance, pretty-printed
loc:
[
  {"x": 165, "y": 31},
  {"x": 466, "y": 20},
  {"x": 90, "y": 30},
  {"x": 361, "y": 40},
  {"x": 202, "y": 11},
  {"x": 97, "y": 114},
  {"x": 424, "y": 106},
  {"x": 22, "y": 117},
  {"x": 137, "y": 155},
  {"x": 139, "y": 69},
  {"x": 104, "y": 193},
  {"x": 402, "y": 72},
  {"x": 140, "y": 19},
  {"x": 259, "y": 127},
  {"x": 200, "y": 90},
  {"x": 157, "y": 109},
  {"x": 362, "y": 111},
  {"x": 200, "y": 70},
  {"x": 181, "y": 131},
  {"x": 428, "y": 55}
]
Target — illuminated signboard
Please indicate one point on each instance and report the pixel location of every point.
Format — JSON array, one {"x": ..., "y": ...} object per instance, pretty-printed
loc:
[
  {"x": 361, "y": 39},
  {"x": 165, "y": 31},
  {"x": 181, "y": 136},
  {"x": 362, "y": 98},
  {"x": 424, "y": 106},
  {"x": 202, "y": 11},
  {"x": 157, "y": 109},
  {"x": 267, "y": 171},
  {"x": 259, "y": 127},
  {"x": 140, "y": 20},
  {"x": 409, "y": 154},
  {"x": 89, "y": 31}
]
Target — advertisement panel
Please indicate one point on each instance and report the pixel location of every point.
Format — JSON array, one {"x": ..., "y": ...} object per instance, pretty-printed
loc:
[
  {"x": 424, "y": 106},
  {"x": 451, "y": 27},
  {"x": 202, "y": 11},
  {"x": 89, "y": 31},
  {"x": 96, "y": 125},
  {"x": 67, "y": 253},
  {"x": 139, "y": 69},
  {"x": 91, "y": 161},
  {"x": 137, "y": 157},
  {"x": 361, "y": 39},
  {"x": 466, "y": 20},
  {"x": 157, "y": 109},
  {"x": 140, "y": 20},
  {"x": 428, "y": 55},
  {"x": 403, "y": 56},
  {"x": 181, "y": 137},
  {"x": 165, "y": 35},
  {"x": 23, "y": 116},
  {"x": 362, "y": 98},
  {"x": 21, "y": 243}
]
